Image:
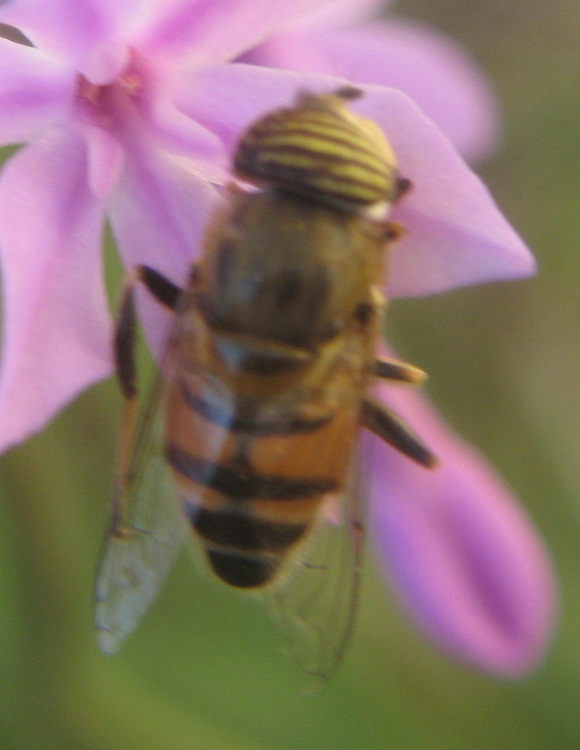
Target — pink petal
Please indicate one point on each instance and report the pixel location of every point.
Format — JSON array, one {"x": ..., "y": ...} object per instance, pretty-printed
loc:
[
  {"x": 227, "y": 98},
  {"x": 462, "y": 555},
  {"x": 158, "y": 212},
  {"x": 35, "y": 92},
  {"x": 105, "y": 160},
  {"x": 181, "y": 135},
  {"x": 455, "y": 233},
  {"x": 207, "y": 32},
  {"x": 56, "y": 325},
  {"x": 291, "y": 50},
  {"x": 342, "y": 13},
  {"x": 105, "y": 62},
  {"x": 61, "y": 28},
  {"x": 427, "y": 66},
  {"x": 430, "y": 68},
  {"x": 121, "y": 16}
]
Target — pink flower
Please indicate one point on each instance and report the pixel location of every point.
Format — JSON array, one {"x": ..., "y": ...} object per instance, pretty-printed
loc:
[
  {"x": 460, "y": 553},
  {"x": 129, "y": 112},
  {"x": 346, "y": 39}
]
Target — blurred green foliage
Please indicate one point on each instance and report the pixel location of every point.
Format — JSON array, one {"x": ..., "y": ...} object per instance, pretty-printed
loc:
[{"x": 203, "y": 670}]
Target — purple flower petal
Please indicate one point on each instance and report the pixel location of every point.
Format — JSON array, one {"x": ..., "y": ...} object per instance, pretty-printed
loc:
[
  {"x": 227, "y": 98},
  {"x": 456, "y": 234},
  {"x": 461, "y": 554},
  {"x": 105, "y": 63},
  {"x": 422, "y": 63},
  {"x": 208, "y": 32},
  {"x": 56, "y": 332},
  {"x": 105, "y": 159},
  {"x": 61, "y": 28},
  {"x": 295, "y": 50},
  {"x": 34, "y": 91},
  {"x": 343, "y": 13},
  {"x": 172, "y": 131},
  {"x": 431, "y": 69},
  {"x": 158, "y": 214}
]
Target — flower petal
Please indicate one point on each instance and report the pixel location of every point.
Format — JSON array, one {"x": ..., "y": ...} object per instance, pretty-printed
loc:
[
  {"x": 35, "y": 91},
  {"x": 456, "y": 235},
  {"x": 105, "y": 159},
  {"x": 431, "y": 69},
  {"x": 207, "y": 32},
  {"x": 181, "y": 135},
  {"x": 460, "y": 553},
  {"x": 291, "y": 50},
  {"x": 56, "y": 326},
  {"x": 105, "y": 63},
  {"x": 422, "y": 63},
  {"x": 159, "y": 212},
  {"x": 121, "y": 17},
  {"x": 343, "y": 13},
  {"x": 227, "y": 98},
  {"x": 60, "y": 28}
]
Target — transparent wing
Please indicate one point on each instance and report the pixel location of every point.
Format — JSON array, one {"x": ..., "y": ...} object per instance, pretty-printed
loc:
[
  {"x": 315, "y": 605},
  {"x": 145, "y": 533}
]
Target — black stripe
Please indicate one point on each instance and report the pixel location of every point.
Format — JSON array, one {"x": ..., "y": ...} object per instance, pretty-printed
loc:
[
  {"x": 242, "y": 357},
  {"x": 242, "y": 571},
  {"x": 310, "y": 177},
  {"x": 281, "y": 140},
  {"x": 240, "y": 483},
  {"x": 319, "y": 159},
  {"x": 324, "y": 126},
  {"x": 253, "y": 424},
  {"x": 243, "y": 531}
]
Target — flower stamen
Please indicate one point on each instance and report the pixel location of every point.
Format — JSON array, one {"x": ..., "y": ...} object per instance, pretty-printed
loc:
[{"x": 88, "y": 91}]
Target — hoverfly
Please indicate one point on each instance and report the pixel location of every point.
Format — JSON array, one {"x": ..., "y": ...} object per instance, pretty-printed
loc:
[{"x": 251, "y": 442}]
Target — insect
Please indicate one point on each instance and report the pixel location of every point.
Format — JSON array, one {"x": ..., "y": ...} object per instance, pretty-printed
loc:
[{"x": 251, "y": 440}]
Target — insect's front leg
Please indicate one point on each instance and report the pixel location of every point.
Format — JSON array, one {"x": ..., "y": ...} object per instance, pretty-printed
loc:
[
  {"x": 164, "y": 290},
  {"x": 166, "y": 293}
]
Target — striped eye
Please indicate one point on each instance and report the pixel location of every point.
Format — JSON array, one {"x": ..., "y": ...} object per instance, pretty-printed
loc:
[{"x": 322, "y": 150}]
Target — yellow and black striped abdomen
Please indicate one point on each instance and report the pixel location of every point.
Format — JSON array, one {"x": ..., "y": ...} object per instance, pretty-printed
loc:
[
  {"x": 320, "y": 149},
  {"x": 252, "y": 486}
]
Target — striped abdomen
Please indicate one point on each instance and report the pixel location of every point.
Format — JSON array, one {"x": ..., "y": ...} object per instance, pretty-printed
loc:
[
  {"x": 252, "y": 484},
  {"x": 322, "y": 150}
]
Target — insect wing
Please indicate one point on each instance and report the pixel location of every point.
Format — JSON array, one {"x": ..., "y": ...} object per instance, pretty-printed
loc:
[
  {"x": 315, "y": 606},
  {"x": 145, "y": 534}
]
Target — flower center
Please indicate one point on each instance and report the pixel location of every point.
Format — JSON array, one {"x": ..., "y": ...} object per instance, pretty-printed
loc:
[{"x": 111, "y": 80}]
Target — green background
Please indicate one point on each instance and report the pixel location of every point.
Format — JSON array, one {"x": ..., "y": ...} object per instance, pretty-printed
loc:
[{"x": 203, "y": 670}]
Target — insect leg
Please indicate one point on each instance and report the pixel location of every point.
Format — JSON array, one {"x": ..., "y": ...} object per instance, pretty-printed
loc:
[
  {"x": 164, "y": 291},
  {"x": 402, "y": 187},
  {"x": 124, "y": 351},
  {"x": 124, "y": 343},
  {"x": 167, "y": 294},
  {"x": 402, "y": 372},
  {"x": 389, "y": 427},
  {"x": 393, "y": 231}
]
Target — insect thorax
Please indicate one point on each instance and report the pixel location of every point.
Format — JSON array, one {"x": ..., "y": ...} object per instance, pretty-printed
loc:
[{"x": 284, "y": 268}]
